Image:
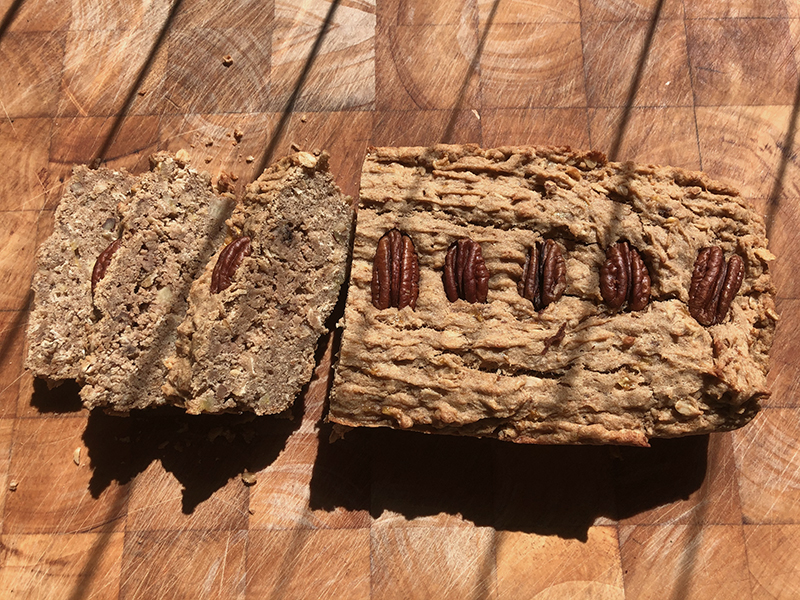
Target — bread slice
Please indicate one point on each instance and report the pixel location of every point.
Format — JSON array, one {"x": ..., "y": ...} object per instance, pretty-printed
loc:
[
  {"x": 86, "y": 222},
  {"x": 250, "y": 345},
  {"x": 580, "y": 369},
  {"x": 172, "y": 222}
]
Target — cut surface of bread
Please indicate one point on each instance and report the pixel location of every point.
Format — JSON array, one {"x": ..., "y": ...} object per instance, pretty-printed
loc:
[
  {"x": 172, "y": 222},
  {"x": 86, "y": 221},
  {"x": 256, "y": 314}
]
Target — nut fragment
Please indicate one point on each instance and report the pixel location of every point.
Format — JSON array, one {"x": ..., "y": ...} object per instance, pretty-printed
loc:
[
  {"x": 556, "y": 339},
  {"x": 714, "y": 285},
  {"x": 465, "y": 273},
  {"x": 101, "y": 265},
  {"x": 624, "y": 277},
  {"x": 395, "y": 272},
  {"x": 544, "y": 277},
  {"x": 229, "y": 260}
]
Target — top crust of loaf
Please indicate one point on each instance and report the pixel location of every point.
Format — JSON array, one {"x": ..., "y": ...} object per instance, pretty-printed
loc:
[{"x": 487, "y": 369}]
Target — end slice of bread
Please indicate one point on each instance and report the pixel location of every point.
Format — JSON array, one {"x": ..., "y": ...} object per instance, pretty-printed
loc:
[{"x": 85, "y": 223}]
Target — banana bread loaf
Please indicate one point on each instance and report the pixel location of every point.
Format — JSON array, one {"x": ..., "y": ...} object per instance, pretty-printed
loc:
[{"x": 544, "y": 295}]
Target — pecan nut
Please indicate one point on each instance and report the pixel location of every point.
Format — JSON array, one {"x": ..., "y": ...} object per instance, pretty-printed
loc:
[
  {"x": 465, "y": 273},
  {"x": 714, "y": 285},
  {"x": 101, "y": 265},
  {"x": 624, "y": 278},
  {"x": 395, "y": 272},
  {"x": 544, "y": 277},
  {"x": 229, "y": 260}
]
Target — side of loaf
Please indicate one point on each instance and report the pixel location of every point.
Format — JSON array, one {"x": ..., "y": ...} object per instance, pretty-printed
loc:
[
  {"x": 257, "y": 312},
  {"x": 86, "y": 222},
  {"x": 172, "y": 222},
  {"x": 559, "y": 298}
]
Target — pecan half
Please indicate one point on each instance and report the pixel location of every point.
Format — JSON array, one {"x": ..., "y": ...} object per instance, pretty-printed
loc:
[
  {"x": 229, "y": 260},
  {"x": 624, "y": 278},
  {"x": 101, "y": 265},
  {"x": 544, "y": 277},
  {"x": 465, "y": 273},
  {"x": 395, "y": 272},
  {"x": 714, "y": 285}
]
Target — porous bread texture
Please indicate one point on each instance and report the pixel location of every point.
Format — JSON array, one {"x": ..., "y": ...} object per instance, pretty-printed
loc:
[
  {"x": 172, "y": 223},
  {"x": 251, "y": 346},
  {"x": 497, "y": 369},
  {"x": 85, "y": 223}
]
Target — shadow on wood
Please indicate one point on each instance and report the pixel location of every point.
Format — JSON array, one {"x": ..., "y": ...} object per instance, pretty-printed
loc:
[
  {"x": 267, "y": 157},
  {"x": 61, "y": 399},
  {"x": 788, "y": 155},
  {"x": 9, "y": 16},
  {"x": 146, "y": 66},
  {"x": 549, "y": 490},
  {"x": 203, "y": 452},
  {"x": 471, "y": 70},
  {"x": 613, "y": 153}
]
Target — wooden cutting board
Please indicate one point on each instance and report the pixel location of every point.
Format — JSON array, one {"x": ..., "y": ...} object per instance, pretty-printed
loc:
[{"x": 161, "y": 505}]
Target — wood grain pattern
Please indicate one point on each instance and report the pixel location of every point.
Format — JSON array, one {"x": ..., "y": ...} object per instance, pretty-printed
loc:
[{"x": 154, "y": 506}]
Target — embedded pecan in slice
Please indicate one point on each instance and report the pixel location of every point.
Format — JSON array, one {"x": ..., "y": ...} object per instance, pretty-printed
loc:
[
  {"x": 624, "y": 278},
  {"x": 229, "y": 260},
  {"x": 395, "y": 272},
  {"x": 101, "y": 265},
  {"x": 465, "y": 273},
  {"x": 544, "y": 277},
  {"x": 714, "y": 285}
]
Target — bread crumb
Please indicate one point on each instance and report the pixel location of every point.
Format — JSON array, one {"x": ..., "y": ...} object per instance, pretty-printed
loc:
[
  {"x": 238, "y": 134},
  {"x": 309, "y": 161},
  {"x": 76, "y": 456},
  {"x": 227, "y": 60},
  {"x": 248, "y": 478},
  {"x": 249, "y": 159},
  {"x": 182, "y": 157},
  {"x": 303, "y": 118},
  {"x": 13, "y": 486}
]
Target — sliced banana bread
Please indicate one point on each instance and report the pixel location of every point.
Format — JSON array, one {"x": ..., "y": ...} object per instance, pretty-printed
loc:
[
  {"x": 172, "y": 222},
  {"x": 256, "y": 314},
  {"x": 85, "y": 223}
]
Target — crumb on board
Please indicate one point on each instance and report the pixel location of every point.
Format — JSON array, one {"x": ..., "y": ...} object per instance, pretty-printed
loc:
[{"x": 227, "y": 60}]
